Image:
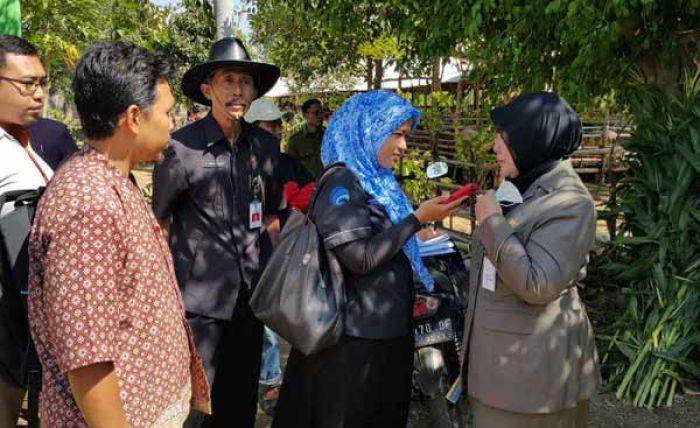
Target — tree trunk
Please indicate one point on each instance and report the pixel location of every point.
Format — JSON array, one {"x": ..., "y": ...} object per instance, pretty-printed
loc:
[
  {"x": 460, "y": 96},
  {"x": 378, "y": 73},
  {"x": 223, "y": 16},
  {"x": 369, "y": 74},
  {"x": 437, "y": 78}
]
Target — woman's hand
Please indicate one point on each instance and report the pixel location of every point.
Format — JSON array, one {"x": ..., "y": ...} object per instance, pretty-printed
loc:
[
  {"x": 434, "y": 210},
  {"x": 429, "y": 233},
  {"x": 486, "y": 205}
]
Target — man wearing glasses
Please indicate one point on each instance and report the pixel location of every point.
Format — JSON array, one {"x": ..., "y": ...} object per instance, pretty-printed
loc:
[
  {"x": 22, "y": 84},
  {"x": 305, "y": 145}
]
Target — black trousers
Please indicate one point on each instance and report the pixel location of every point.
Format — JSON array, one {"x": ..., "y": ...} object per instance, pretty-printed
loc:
[
  {"x": 230, "y": 352},
  {"x": 358, "y": 383}
]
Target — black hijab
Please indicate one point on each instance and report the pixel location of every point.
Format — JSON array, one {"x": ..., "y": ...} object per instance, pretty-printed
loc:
[{"x": 539, "y": 129}]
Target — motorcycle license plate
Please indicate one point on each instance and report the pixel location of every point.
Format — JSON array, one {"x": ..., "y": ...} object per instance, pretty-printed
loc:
[{"x": 433, "y": 332}]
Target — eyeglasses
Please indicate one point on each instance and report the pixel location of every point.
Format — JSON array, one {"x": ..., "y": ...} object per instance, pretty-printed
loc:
[{"x": 27, "y": 87}]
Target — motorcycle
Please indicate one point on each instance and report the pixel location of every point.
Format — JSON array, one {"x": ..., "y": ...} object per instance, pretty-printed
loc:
[{"x": 439, "y": 324}]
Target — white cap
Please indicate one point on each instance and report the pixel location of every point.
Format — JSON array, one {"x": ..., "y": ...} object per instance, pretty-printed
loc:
[{"x": 263, "y": 109}]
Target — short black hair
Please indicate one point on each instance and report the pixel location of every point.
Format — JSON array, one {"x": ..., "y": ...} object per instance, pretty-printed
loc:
[
  {"x": 15, "y": 45},
  {"x": 112, "y": 76},
  {"x": 308, "y": 103}
]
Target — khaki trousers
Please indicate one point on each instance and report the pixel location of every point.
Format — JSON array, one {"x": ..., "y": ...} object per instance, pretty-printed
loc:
[{"x": 490, "y": 417}]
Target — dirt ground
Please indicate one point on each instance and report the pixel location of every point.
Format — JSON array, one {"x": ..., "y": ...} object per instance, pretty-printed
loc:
[{"x": 606, "y": 412}]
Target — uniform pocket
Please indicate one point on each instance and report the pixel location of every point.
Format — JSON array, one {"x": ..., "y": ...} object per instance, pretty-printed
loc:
[
  {"x": 514, "y": 351},
  {"x": 514, "y": 322},
  {"x": 207, "y": 180}
]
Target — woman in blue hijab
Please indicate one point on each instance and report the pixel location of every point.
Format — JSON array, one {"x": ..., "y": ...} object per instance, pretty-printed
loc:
[{"x": 364, "y": 217}]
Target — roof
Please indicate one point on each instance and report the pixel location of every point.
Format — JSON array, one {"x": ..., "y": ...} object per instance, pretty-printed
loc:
[{"x": 450, "y": 74}]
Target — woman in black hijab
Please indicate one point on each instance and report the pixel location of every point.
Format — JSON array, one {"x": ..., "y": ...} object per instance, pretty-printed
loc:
[
  {"x": 541, "y": 129},
  {"x": 530, "y": 354}
]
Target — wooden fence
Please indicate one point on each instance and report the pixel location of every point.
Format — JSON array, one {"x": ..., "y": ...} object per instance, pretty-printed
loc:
[
  {"x": 599, "y": 157},
  {"x": 599, "y": 160}
]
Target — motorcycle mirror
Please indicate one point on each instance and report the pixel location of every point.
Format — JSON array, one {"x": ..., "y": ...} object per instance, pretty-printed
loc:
[{"x": 436, "y": 169}]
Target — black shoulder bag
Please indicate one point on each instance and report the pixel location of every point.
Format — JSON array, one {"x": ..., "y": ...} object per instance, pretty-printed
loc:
[{"x": 300, "y": 294}]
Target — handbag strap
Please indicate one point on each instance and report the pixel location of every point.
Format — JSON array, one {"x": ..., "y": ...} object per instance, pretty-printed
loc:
[{"x": 320, "y": 182}]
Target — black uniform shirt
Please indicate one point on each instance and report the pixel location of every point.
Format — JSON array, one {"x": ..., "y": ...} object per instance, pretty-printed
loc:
[
  {"x": 207, "y": 186},
  {"x": 378, "y": 275}
]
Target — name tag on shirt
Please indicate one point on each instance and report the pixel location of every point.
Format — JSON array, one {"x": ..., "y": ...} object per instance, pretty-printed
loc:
[
  {"x": 255, "y": 215},
  {"x": 488, "y": 275},
  {"x": 213, "y": 164}
]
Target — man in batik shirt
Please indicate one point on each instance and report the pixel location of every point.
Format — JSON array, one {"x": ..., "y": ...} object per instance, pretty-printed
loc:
[{"x": 105, "y": 310}]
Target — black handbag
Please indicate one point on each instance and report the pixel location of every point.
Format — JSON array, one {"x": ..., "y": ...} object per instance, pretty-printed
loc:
[{"x": 300, "y": 294}]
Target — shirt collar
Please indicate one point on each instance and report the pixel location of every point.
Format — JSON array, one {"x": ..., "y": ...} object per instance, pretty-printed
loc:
[
  {"x": 552, "y": 180},
  {"x": 213, "y": 133},
  {"x": 5, "y": 134}
]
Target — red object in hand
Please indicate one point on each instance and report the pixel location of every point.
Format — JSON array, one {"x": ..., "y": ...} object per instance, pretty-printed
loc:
[
  {"x": 296, "y": 197},
  {"x": 290, "y": 189},
  {"x": 466, "y": 190}
]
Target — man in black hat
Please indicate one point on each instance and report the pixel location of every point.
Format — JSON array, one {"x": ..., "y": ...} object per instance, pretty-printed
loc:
[{"x": 217, "y": 192}]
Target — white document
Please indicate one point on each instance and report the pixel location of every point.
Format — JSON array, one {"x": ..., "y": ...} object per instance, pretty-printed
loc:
[{"x": 488, "y": 275}]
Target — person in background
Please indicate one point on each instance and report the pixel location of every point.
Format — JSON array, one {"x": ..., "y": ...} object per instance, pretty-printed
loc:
[
  {"x": 52, "y": 141},
  {"x": 217, "y": 193},
  {"x": 305, "y": 144},
  {"x": 22, "y": 91},
  {"x": 196, "y": 112},
  {"x": 363, "y": 216},
  {"x": 264, "y": 114},
  {"x": 288, "y": 116},
  {"x": 530, "y": 352},
  {"x": 104, "y": 307}
]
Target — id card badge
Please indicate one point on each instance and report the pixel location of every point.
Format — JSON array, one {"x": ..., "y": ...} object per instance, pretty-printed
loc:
[
  {"x": 255, "y": 214},
  {"x": 488, "y": 275}
]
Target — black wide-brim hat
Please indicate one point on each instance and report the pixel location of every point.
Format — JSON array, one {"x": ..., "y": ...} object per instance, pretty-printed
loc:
[{"x": 228, "y": 52}]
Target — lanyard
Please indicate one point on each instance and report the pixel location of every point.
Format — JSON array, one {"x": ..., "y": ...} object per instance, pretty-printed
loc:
[
  {"x": 36, "y": 163},
  {"x": 254, "y": 180}
]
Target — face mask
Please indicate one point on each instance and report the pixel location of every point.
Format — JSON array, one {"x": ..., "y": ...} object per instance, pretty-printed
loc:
[
  {"x": 508, "y": 195},
  {"x": 437, "y": 169}
]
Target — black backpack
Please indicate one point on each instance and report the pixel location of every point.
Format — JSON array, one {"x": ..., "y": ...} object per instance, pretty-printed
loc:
[{"x": 18, "y": 359}]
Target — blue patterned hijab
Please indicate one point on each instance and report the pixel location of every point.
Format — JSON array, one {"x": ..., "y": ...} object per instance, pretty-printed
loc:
[{"x": 354, "y": 136}]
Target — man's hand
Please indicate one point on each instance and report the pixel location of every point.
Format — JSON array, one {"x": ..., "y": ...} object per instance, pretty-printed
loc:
[
  {"x": 486, "y": 205},
  {"x": 96, "y": 392},
  {"x": 273, "y": 226},
  {"x": 165, "y": 227}
]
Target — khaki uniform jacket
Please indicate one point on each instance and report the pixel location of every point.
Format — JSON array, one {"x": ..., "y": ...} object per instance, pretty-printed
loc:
[{"x": 529, "y": 345}]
